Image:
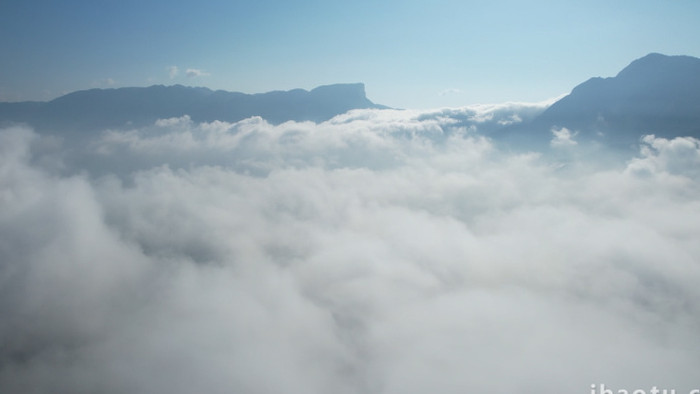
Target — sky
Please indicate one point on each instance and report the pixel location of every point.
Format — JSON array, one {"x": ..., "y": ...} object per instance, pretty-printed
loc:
[{"x": 409, "y": 54}]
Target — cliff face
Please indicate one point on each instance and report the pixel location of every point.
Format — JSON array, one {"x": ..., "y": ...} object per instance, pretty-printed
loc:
[{"x": 97, "y": 109}]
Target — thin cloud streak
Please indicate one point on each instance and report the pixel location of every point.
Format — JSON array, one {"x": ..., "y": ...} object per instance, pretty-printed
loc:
[{"x": 193, "y": 72}]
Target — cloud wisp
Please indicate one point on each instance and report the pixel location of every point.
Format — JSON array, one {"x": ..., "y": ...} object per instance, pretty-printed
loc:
[
  {"x": 449, "y": 91},
  {"x": 378, "y": 252},
  {"x": 173, "y": 71},
  {"x": 194, "y": 72}
]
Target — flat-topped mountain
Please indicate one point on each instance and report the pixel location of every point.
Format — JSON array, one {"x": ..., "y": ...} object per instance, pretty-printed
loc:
[
  {"x": 98, "y": 109},
  {"x": 656, "y": 94}
]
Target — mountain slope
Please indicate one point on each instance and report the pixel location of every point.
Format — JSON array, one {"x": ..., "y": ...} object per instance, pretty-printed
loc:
[
  {"x": 98, "y": 109},
  {"x": 656, "y": 94}
]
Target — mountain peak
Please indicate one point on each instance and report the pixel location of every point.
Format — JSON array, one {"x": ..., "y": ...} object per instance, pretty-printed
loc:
[
  {"x": 656, "y": 94},
  {"x": 355, "y": 88},
  {"x": 656, "y": 64}
]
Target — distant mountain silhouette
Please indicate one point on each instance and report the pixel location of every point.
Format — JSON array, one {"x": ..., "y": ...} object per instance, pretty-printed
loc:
[
  {"x": 656, "y": 94},
  {"x": 98, "y": 109}
]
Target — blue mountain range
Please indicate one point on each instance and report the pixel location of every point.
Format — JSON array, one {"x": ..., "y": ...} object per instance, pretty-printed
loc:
[{"x": 98, "y": 109}]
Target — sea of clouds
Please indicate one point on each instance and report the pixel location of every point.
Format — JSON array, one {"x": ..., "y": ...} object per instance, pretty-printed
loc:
[{"x": 382, "y": 251}]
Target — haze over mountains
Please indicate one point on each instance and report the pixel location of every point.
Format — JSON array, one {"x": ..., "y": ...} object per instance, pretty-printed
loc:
[{"x": 656, "y": 94}]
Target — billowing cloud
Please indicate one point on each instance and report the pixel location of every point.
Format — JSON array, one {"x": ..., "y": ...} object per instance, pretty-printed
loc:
[
  {"x": 676, "y": 156},
  {"x": 562, "y": 137},
  {"x": 378, "y": 252},
  {"x": 193, "y": 72}
]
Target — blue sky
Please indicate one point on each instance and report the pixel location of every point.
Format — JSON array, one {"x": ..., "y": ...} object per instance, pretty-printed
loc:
[{"x": 409, "y": 54}]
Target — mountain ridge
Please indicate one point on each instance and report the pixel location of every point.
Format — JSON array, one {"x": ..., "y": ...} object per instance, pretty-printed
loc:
[{"x": 95, "y": 109}]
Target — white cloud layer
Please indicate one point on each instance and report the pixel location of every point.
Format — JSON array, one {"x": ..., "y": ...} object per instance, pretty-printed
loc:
[{"x": 378, "y": 252}]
